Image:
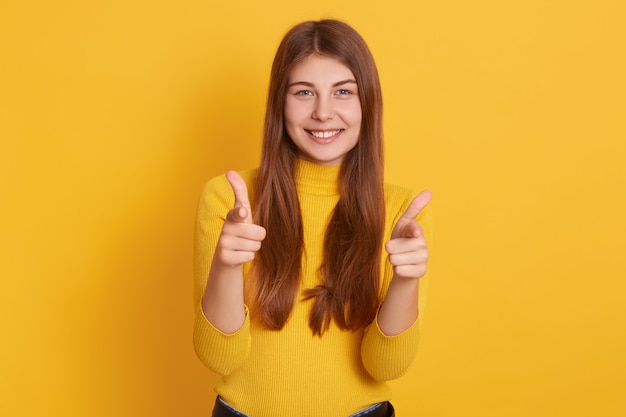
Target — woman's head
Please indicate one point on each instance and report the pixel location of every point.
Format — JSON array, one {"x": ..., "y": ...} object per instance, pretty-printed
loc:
[
  {"x": 322, "y": 110},
  {"x": 330, "y": 39}
]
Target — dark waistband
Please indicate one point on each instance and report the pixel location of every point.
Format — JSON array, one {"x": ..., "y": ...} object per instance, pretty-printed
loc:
[{"x": 222, "y": 409}]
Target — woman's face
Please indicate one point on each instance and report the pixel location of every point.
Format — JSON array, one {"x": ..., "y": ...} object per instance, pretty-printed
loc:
[{"x": 322, "y": 110}]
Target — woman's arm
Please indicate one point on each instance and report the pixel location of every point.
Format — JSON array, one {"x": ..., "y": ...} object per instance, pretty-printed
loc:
[
  {"x": 224, "y": 240},
  {"x": 408, "y": 254},
  {"x": 223, "y": 300},
  {"x": 390, "y": 342}
]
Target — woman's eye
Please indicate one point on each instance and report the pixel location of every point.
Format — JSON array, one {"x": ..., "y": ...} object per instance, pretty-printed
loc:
[
  {"x": 343, "y": 92},
  {"x": 304, "y": 93}
]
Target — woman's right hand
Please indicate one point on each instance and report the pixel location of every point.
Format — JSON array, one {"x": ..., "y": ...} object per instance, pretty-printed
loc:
[{"x": 240, "y": 238}]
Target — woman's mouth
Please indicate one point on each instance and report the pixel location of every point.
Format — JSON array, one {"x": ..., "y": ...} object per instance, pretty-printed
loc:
[{"x": 324, "y": 136}]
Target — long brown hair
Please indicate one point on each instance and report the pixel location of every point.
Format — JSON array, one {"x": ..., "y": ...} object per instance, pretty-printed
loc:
[{"x": 349, "y": 294}]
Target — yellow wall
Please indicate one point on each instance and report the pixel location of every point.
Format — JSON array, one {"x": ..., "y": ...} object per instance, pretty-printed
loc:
[{"x": 113, "y": 114}]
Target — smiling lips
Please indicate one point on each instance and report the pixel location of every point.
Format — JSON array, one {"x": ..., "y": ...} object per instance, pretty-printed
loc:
[{"x": 324, "y": 136}]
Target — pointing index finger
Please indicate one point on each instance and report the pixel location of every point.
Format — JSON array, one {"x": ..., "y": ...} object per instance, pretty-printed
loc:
[{"x": 239, "y": 189}]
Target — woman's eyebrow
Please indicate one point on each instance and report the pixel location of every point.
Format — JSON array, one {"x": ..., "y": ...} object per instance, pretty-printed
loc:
[
  {"x": 309, "y": 84},
  {"x": 348, "y": 81}
]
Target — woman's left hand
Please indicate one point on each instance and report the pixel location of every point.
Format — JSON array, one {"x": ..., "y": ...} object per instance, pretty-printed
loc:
[{"x": 407, "y": 248}]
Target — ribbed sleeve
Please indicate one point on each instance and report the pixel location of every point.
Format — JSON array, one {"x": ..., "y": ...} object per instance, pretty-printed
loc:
[
  {"x": 388, "y": 357},
  {"x": 220, "y": 352}
]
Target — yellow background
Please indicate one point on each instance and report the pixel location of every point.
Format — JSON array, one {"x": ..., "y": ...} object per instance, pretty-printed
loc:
[{"x": 113, "y": 114}]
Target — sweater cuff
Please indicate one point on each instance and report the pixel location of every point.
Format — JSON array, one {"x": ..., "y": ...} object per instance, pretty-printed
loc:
[
  {"x": 222, "y": 353},
  {"x": 389, "y": 357}
]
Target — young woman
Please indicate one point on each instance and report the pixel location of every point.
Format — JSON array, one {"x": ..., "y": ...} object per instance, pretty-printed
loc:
[{"x": 308, "y": 269}]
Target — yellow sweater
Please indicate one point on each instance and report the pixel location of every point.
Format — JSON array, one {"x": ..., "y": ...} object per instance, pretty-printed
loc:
[{"x": 291, "y": 372}]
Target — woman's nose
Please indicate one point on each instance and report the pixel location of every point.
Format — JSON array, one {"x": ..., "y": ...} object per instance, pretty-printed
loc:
[{"x": 323, "y": 110}]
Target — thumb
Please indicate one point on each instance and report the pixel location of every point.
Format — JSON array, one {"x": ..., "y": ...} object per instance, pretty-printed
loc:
[
  {"x": 241, "y": 211},
  {"x": 412, "y": 229}
]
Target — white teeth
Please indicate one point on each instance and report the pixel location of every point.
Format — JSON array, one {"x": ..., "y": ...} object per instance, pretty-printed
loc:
[{"x": 325, "y": 135}]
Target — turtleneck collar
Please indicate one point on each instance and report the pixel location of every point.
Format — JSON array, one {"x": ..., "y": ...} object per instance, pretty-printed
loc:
[{"x": 316, "y": 179}]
